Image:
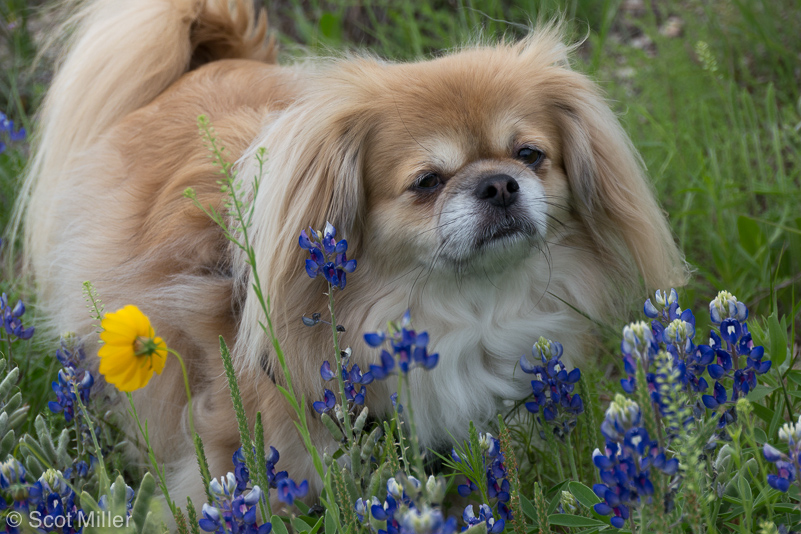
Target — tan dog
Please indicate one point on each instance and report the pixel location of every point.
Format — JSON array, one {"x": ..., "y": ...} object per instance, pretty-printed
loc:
[{"x": 489, "y": 191}]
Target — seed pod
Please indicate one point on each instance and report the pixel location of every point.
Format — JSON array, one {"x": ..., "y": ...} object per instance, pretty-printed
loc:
[
  {"x": 358, "y": 426},
  {"x": 370, "y": 443},
  {"x": 332, "y": 427}
]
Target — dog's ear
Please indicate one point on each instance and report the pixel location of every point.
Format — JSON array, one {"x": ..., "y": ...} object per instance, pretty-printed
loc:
[
  {"x": 609, "y": 186},
  {"x": 313, "y": 173}
]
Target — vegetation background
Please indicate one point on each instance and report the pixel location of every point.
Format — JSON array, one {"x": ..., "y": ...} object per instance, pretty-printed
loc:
[{"x": 709, "y": 90}]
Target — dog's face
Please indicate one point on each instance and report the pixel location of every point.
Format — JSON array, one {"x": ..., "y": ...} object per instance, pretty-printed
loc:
[
  {"x": 477, "y": 162},
  {"x": 464, "y": 172}
]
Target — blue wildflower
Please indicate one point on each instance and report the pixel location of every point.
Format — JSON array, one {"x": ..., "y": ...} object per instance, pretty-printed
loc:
[
  {"x": 625, "y": 465},
  {"x": 328, "y": 257},
  {"x": 425, "y": 521},
  {"x": 554, "y": 399},
  {"x": 354, "y": 381},
  {"x": 68, "y": 381},
  {"x": 484, "y": 516},
  {"x": 7, "y": 130},
  {"x": 71, "y": 378},
  {"x": 232, "y": 512},
  {"x": 498, "y": 489},
  {"x": 409, "y": 347},
  {"x": 129, "y": 495},
  {"x": 288, "y": 490},
  {"x": 726, "y": 306},
  {"x": 326, "y": 404},
  {"x": 11, "y": 317},
  {"x": 55, "y": 503},
  {"x": 787, "y": 465}
]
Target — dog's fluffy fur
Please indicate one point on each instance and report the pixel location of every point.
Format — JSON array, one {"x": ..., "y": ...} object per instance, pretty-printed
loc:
[{"x": 347, "y": 140}]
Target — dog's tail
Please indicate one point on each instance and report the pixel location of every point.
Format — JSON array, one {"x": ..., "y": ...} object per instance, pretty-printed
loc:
[{"x": 118, "y": 56}]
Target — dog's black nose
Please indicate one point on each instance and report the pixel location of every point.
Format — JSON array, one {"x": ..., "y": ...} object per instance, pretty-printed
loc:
[{"x": 498, "y": 189}]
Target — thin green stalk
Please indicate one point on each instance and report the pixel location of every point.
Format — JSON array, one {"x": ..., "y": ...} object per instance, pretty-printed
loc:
[
  {"x": 101, "y": 466},
  {"x": 415, "y": 443},
  {"x": 549, "y": 438},
  {"x": 341, "y": 381},
  {"x": 571, "y": 458},
  {"x": 399, "y": 426},
  {"x": 188, "y": 391},
  {"x": 151, "y": 455}
]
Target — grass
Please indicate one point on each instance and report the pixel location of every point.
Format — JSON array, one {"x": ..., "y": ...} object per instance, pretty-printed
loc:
[{"x": 708, "y": 90}]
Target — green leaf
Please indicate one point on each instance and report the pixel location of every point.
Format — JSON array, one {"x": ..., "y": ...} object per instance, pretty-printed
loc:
[
  {"x": 744, "y": 488},
  {"x": 759, "y": 435},
  {"x": 302, "y": 524},
  {"x": 331, "y": 27},
  {"x": 568, "y": 520},
  {"x": 583, "y": 494},
  {"x": 794, "y": 376},
  {"x": 528, "y": 508},
  {"x": 142, "y": 504},
  {"x": 760, "y": 392},
  {"x": 751, "y": 237},
  {"x": 278, "y": 525},
  {"x": 764, "y": 413},
  {"x": 330, "y": 523},
  {"x": 778, "y": 340}
]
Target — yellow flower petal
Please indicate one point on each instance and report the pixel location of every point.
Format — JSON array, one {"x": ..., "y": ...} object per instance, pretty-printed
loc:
[{"x": 124, "y": 332}]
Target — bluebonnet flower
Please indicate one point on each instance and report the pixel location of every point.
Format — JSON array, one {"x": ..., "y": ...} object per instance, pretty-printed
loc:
[
  {"x": 7, "y": 130},
  {"x": 408, "y": 346},
  {"x": 403, "y": 511},
  {"x": 354, "y": 382},
  {"x": 425, "y": 520},
  {"x": 11, "y": 317},
  {"x": 484, "y": 516},
  {"x": 554, "y": 399},
  {"x": 288, "y": 490},
  {"x": 65, "y": 387},
  {"x": 234, "y": 508},
  {"x": 14, "y": 488},
  {"x": 498, "y": 490},
  {"x": 625, "y": 465},
  {"x": 80, "y": 469},
  {"x": 231, "y": 511},
  {"x": 727, "y": 347},
  {"x": 787, "y": 465},
  {"x": 327, "y": 404},
  {"x": 328, "y": 257},
  {"x": 242, "y": 474},
  {"x": 54, "y": 500},
  {"x": 71, "y": 378},
  {"x": 674, "y": 329},
  {"x": 129, "y": 495}
]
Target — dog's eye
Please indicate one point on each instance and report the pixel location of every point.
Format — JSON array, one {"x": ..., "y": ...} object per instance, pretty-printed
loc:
[
  {"x": 428, "y": 182},
  {"x": 530, "y": 156}
]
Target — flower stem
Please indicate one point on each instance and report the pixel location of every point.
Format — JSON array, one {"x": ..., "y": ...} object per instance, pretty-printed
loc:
[
  {"x": 415, "y": 443},
  {"x": 151, "y": 456},
  {"x": 549, "y": 438},
  {"x": 571, "y": 458},
  {"x": 188, "y": 392},
  {"x": 104, "y": 480},
  {"x": 399, "y": 427},
  {"x": 342, "y": 399}
]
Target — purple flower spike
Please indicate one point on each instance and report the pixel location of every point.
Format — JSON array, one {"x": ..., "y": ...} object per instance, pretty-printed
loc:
[{"x": 327, "y": 257}]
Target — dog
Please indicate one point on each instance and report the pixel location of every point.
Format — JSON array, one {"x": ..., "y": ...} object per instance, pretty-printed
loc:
[{"x": 490, "y": 191}]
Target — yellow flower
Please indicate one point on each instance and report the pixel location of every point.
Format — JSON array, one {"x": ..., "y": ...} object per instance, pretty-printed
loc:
[{"x": 131, "y": 352}]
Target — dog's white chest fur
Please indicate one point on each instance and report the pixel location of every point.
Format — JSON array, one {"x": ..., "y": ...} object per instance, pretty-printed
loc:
[{"x": 481, "y": 326}]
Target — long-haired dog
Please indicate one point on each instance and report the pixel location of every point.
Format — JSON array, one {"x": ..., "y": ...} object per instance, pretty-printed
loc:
[{"x": 490, "y": 191}]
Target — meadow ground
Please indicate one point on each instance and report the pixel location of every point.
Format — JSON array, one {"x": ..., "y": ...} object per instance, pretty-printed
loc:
[{"x": 709, "y": 91}]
